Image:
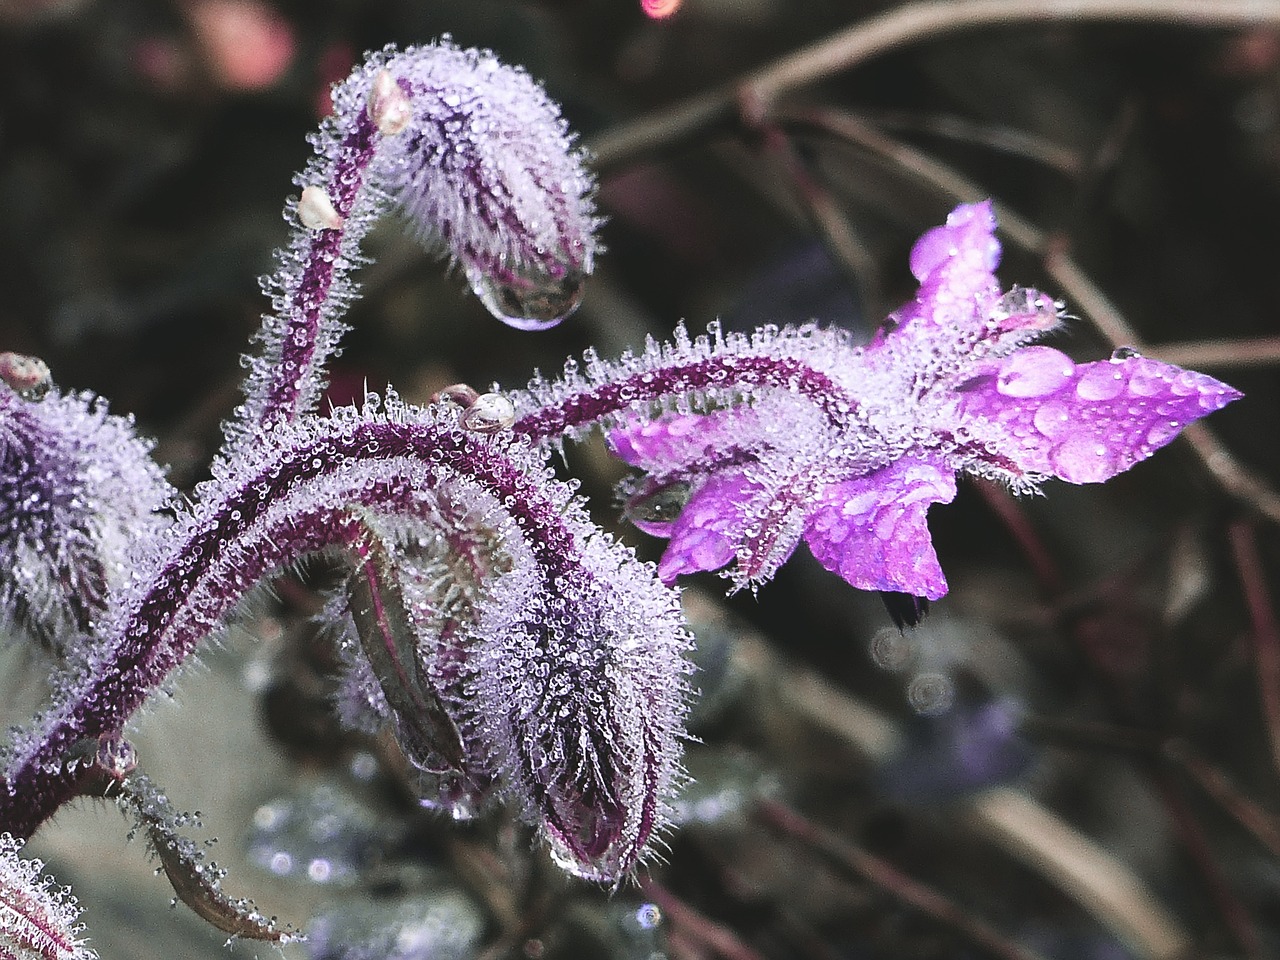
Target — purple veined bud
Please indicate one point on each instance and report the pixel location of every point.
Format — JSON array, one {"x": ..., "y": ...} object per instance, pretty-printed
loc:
[
  {"x": 38, "y": 919},
  {"x": 78, "y": 493},
  {"x": 490, "y": 172}
]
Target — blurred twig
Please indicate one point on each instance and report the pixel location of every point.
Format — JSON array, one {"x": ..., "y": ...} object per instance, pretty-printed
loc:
[
  {"x": 1006, "y": 140},
  {"x": 895, "y": 28},
  {"x": 1218, "y": 786},
  {"x": 1090, "y": 875},
  {"x": 823, "y": 210},
  {"x": 696, "y": 927},
  {"x": 1197, "y": 845},
  {"x": 889, "y": 878},
  {"x": 1024, "y": 829},
  {"x": 1220, "y": 354},
  {"x": 1266, "y": 633}
]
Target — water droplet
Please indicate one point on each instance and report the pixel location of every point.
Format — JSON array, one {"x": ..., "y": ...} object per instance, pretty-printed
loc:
[
  {"x": 1034, "y": 372},
  {"x": 489, "y": 413},
  {"x": 648, "y": 916},
  {"x": 931, "y": 694},
  {"x": 529, "y": 299},
  {"x": 653, "y": 512},
  {"x": 1100, "y": 381},
  {"x": 1147, "y": 382},
  {"x": 1083, "y": 459},
  {"x": 1124, "y": 353},
  {"x": 1163, "y": 432}
]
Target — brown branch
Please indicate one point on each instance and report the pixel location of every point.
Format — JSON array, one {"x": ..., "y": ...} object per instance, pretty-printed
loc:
[
  {"x": 696, "y": 927},
  {"x": 1220, "y": 354},
  {"x": 860, "y": 269},
  {"x": 908, "y": 24},
  {"x": 1201, "y": 851},
  {"x": 889, "y": 878},
  {"x": 1262, "y": 824},
  {"x": 1266, "y": 633},
  {"x": 1005, "y": 506}
]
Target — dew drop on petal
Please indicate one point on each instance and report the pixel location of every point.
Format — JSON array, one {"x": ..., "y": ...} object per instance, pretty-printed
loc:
[
  {"x": 1101, "y": 381},
  {"x": 1163, "y": 432},
  {"x": 1083, "y": 459},
  {"x": 529, "y": 299},
  {"x": 1146, "y": 384},
  {"x": 1034, "y": 372},
  {"x": 1052, "y": 418}
]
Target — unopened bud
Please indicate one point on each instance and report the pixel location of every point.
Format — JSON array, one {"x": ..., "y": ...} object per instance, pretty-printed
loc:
[
  {"x": 316, "y": 210},
  {"x": 389, "y": 107},
  {"x": 26, "y": 376},
  {"x": 490, "y": 413}
]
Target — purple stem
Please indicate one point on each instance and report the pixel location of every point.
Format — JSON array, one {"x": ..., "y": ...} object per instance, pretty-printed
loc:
[
  {"x": 231, "y": 551},
  {"x": 286, "y": 378},
  {"x": 720, "y": 372}
]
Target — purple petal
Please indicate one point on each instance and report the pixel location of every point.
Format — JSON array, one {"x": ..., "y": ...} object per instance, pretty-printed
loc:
[
  {"x": 669, "y": 442},
  {"x": 872, "y": 532},
  {"x": 1087, "y": 423},
  {"x": 955, "y": 265},
  {"x": 967, "y": 237},
  {"x": 710, "y": 527}
]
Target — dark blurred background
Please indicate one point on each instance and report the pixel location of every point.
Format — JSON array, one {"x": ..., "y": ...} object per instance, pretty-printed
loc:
[{"x": 1108, "y": 655}]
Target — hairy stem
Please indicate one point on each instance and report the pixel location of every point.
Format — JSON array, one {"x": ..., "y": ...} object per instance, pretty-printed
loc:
[{"x": 293, "y": 504}]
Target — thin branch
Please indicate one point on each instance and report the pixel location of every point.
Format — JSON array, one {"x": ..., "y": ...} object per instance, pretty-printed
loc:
[
  {"x": 1220, "y": 354},
  {"x": 696, "y": 927},
  {"x": 1266, "y": 632},
  {"x": 1084, "y": 870},
  {"x": 1233, "y": 912},
  {"x": 1007, "y": 140},
  {"x": 1262, "y": 824},
  {"x": 1006, "y": 507},
  {"x": 889, "y": 878},
  {"x": 902, "y": 26},
  {"x": 823, "y": 210}
]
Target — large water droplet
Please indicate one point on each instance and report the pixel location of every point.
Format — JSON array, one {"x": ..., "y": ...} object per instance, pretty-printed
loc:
[
  {"x": 1034, "y": 372},
  {"x": 1052, "y": 419},
  {"x": 1083, "y": 460},
  {"x": 1101, "y": 381},
  {"x": 529, "y": 299},
  {"x": 1163, "y": 432},
  {"x": 655, "y": 512}
]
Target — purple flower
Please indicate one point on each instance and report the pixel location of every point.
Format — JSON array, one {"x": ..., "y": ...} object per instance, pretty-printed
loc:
[{"x": 851, "y": 457}]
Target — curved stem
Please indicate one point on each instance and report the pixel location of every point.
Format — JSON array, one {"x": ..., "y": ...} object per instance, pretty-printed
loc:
[
  {"x": 292, "y": 504},
  {"x": 594, "y": 402},
  {"x": 912, "y": 23}
]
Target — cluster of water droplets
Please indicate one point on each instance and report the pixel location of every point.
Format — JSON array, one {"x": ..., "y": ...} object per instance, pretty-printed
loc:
[{"x": 38, "y": 919}]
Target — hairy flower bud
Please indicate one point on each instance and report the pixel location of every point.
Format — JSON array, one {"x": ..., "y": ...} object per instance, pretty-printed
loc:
[
  {"x": 488, "y": 169},
  {"x": 38, "y": 920},
  {"x": 77, "y": 490}
]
